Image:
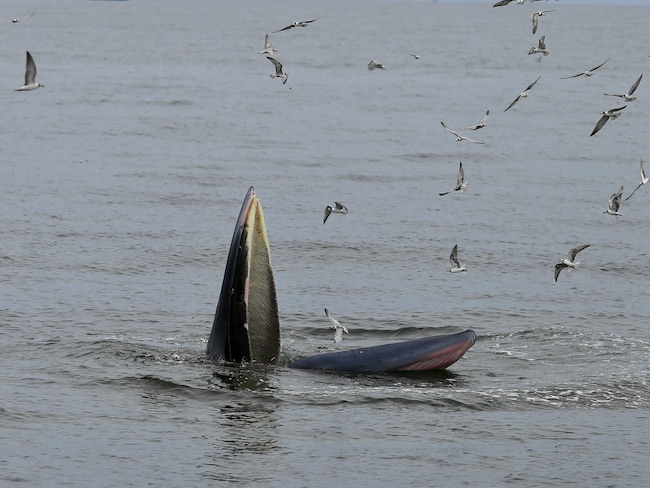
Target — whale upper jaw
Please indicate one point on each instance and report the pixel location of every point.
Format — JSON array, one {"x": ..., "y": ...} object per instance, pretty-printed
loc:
[{"x": 246, "y": 324}]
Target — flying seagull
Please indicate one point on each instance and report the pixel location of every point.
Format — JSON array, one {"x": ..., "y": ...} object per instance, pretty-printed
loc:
[
  {"x": 460, "y": 137},
  {"x": 481, "y": 124},
  {"x": 338, "y": 208},
  {"x": 571, "y": 262},
  {"x": 461, "y": 184},
  {"x": 373, "y": 65},
  {"x": 268, "y": 47},
  {"x": 607, "y": 114},
  {"x": 336, "y": 325},
  {"x": 506, "y": 2},
  {"x": 628, "y": 96},
  {"x": 19, "y": 19},
  {"x": 278, "y": 70},
  {"x": 416, "y": 56},
  {"x": 614, "y": 203},
  {"x": 302, "y": 23},
  {"x": 535, "y": 18},
  {"x": 541, "y": 47},
  {"x": 523, "y": 94},
  {"x": 589, "y": 72},
  {"x": 30, "y": 75},
  {"x": 453, "y": 260},
  {"x": 644, "y": 181}
]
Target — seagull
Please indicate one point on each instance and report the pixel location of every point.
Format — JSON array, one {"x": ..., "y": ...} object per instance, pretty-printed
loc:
[
  {"x": 628, "y": 96},
  {"x": 278, "y": 70},
  {"x": 571, "y": 262},
  {"x": 523, "y": 94},
  {"x": 19, "y": 19},
  {"x": 481, "y": 124},
  {"x": 30, "y": 75},
  {"x": 338, "y": 208},
  {"x": 644, "y": 181},
  {"x": 455, "y": 265},
  {"x": 614, "y": 203},
  {"x": 589, "y": 72},
  {"x": 416, "y": 56},
  {"x": 461, "y": 184},
  {"x": 336, "y": 325},
  {"x": 373, "y": 65},
  {"x": 541, "y": 48},
  {"x": 460, "y": 137},
  {"x": 506, "y": 2},
  {"x": 268, "y": 47},
  {"x": 607, "y": 114},
  {"x": 535, "y": 18},
  {"x": 302, "y": 23}
]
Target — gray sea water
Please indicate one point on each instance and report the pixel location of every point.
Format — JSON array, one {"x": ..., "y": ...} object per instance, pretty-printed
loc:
[{"x": 121, "y": 181}]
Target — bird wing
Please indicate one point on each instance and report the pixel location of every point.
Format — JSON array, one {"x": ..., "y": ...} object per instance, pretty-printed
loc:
[
  {"x": 540, "y": 44},
  {"x": 502, "y": 3},
  {"x": 642, "y": 171},
  {"x": 532, "y": 84},
  {"x": 535, "y": 19},
  {"x": 461, "y": 176},
  {"x": 30, "y": 70},
  {"x": 471, "y": 140},
  {"x": 332, "y": 319},
  {"x": 450, "y": 130},
  {"x": 599, "y": 125},
  {"x": 559, "y": 267},
  {"x": 276, "y": 63},
  {"x": 341, "y": 208},
  {"x": 573, "y": 252},
  {"x": 328, "y": 211},
  {"x": 636, "y": 84},
  {"x": 480, "y": 124},
  {"x": 572, "y": 76},
  {"x": 453, "y": 258},
  {"x": 267, "y": 42},
  {"x": 630, "y": 195},
  {"x": 594, "y": 69},
  {"x": 284, "y": 28},
  {"x": 512, "y": 104}
]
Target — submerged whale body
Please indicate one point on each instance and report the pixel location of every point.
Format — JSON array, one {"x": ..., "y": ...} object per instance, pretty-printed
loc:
[{"x": 246, "y": 323}]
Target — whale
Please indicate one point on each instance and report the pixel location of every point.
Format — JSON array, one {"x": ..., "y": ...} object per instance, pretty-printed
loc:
[{"x": 246, "y": 326}]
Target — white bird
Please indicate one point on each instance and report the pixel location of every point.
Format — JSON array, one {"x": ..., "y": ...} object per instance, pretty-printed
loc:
[
  {"x": 535, "y": 18},
  {"x": 302, "y": 23},
  {"x": 607, "y": 114},
  {"x": 373, "y": 65},
  {"x": 481, "y": 124},
  {"x": 614, "y": 203},
  {"x": 523, "y": 94},
  {"x": 571, "y": 262},
  {"x": 460, "y": 137},
  {"x": 268, "y": 47},
  {"x": 278, "y": 70},
  {"x": 501, "y": 3},
  {"x": 338, "y": 328},
  {"x": 541, "y": 47},
  {"x": 644, "y": 181},
  {"x": 455, "y": 264},
  {"x": 19, "y": 19},
  {"x": 461, "y": 184},
  {"x": 628, "y": 96},
  {"x": 416, "y": 56},
  {"x": 338, "y": 209},
  {"x": 589, "y": 72},
  {"x": 30, "y": 76}
]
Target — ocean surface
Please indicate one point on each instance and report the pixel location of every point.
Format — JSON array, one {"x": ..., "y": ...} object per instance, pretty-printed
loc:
[{"x": 121, "y": 181}]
